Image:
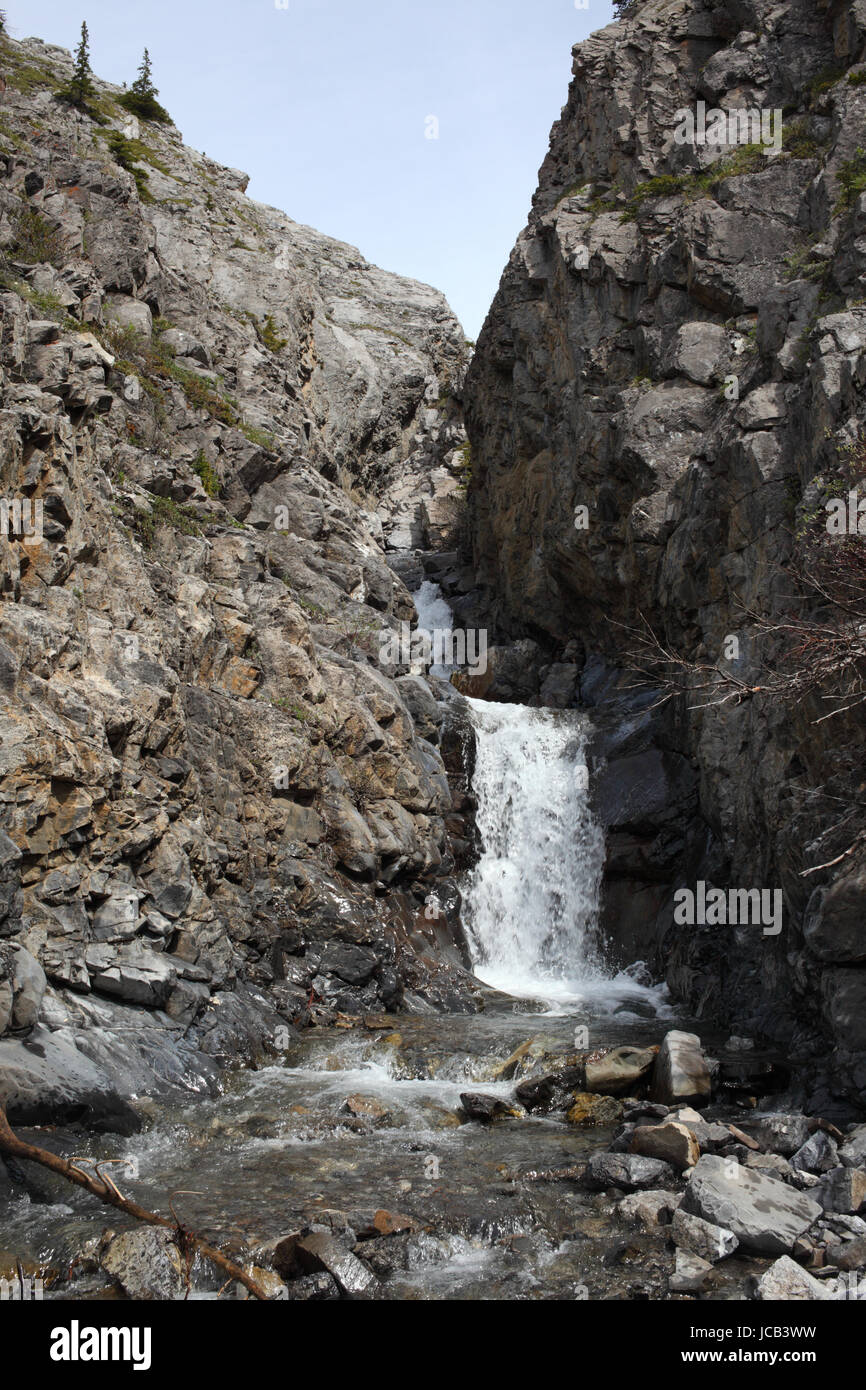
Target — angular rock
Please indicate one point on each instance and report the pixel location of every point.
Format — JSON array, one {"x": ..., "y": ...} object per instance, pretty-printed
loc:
[
  {"x": 619, "y": 1071},
  {"x": 486, "y": 1108},
  {"x": 320, "y": 1252},
  {"x": 690, "y": 1274},
  {"x": 681, "y": 1073},
  {"x": 843, "y": 1190},
  {"x": 782, "y": 1134},
  {"x": 648, "y": 1209},
  {"x": 765, "y": 1215},
  {"x": 674, "y": 1143},
  {"x": 818, "y": 1155},
  {"x": 594, "y": 1110},
  {"x": 146, "y": 1263},
  {"x": 787, "y": 1281},
  {"x": 712, "y": 1243},
  {"x": 631, "y": 1172}
]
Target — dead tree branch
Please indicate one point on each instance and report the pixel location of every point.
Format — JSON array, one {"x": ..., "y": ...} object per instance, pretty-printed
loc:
[{"x": 106, "y": 1191}]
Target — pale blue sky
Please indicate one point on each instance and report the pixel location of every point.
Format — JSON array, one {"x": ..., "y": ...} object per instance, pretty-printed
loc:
[{"x": 325, "y": 105}]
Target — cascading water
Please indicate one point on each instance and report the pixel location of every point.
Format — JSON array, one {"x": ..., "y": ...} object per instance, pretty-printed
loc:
[{"x": 531, "y": 903}]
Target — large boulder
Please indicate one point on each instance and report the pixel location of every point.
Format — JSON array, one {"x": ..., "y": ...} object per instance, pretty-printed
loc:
[
  {"x": 681, "y": 1073},
  {"x": 620, "y": 1070},
  {"x": 765, "y": 1215},
  {"x": 674, "y": 1143}
]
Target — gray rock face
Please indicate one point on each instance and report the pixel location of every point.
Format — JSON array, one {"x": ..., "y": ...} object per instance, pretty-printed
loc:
[
  {"x": 649, "y": 406},
  {"x": 207, "y": 765},
  {"x": 765, "y": 1215}
]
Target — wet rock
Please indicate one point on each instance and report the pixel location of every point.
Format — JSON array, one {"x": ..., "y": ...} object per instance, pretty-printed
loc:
[
  {"x": 853, "y": 1151},
  {"x": 787, "y": 1281},
  {"x": 648, "y": 1209},
  {"x": 681, "y": 1073},
  {"x": 387, "y": 1223},
  {"x": 271, "y": 1284},
  {"x": 551, "y": 1092},
  {"x": 354, "y": 964},
  {"x": 765, "y": 1215},
  {"x": 319, "y": 1251},
  {"x": 477, "y": 1106},
  {"x": 644, "y": 1110},
  {"x": 631, "y": 1172},
  {"x": 366, "y": 1108},
  {"x": 313, "y": 1288},
  {"x": 818, "y": 1155},
  {"x": 782, "y": 1134},
  {"x": 843, "y": 1190},
  {"x": 712, "y": 1243},
  {"x": 672, "y": 1142},
  {"x": 594, "y": 1110},
  {"x": 690, "y": 1274},
  {"x": 145, "y": 1263},
  {"x": 619, "y": 1071}
]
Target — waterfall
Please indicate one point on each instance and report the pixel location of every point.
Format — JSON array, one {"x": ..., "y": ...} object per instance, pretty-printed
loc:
[{"x": 531, "y": 903}]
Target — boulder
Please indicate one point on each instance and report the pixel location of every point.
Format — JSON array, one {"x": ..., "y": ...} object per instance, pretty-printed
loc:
[
  {"x": 320, "y": 1252},
  {"x": 672, "y": 1142},
  {"x": 620, "y": 1070},
  {"x": 818, "y": 1155},
  {"x": 681, "y": 1073},
  {"x": 631, "y": 1172},
  {"x": 843, "y": 1190},
  {"x": 786, "y": 1281},
  {"x": 712, "y": 1243},
  {"x": 853, "y": 1151},
  {"x": 551, "y": 1092},
  {"x": 146, "y": 1264},
  {"x": 649, "y": 1209},
  {"x": 690, "y": 1273},
  {"x": 486, "y": 1108},
  {"x": 594, "y": 1110},
  {"x": 765, "y": 1215},
  {"x": 780, "y": 1134}
]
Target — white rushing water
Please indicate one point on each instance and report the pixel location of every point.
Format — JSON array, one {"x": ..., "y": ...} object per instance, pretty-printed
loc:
[{"x": 531, "y": 904}]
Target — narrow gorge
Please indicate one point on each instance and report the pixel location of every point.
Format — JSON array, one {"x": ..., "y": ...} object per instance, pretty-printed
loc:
[{"x": 430, "y": 835}]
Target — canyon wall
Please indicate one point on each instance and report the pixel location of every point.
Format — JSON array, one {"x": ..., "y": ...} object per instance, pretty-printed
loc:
[
  {"x": 667, "y": 389},
  {"x": 220, "y": 814}
]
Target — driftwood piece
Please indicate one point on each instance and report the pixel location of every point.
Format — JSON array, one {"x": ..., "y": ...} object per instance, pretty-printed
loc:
[{"x": 105, "y": 1191}]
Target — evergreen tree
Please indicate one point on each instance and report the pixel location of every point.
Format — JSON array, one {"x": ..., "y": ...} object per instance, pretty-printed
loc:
[
  {"x": 141, "y": 99},
  {"x": 82, "y": 84},
  {"x": 80, "y": 89}
]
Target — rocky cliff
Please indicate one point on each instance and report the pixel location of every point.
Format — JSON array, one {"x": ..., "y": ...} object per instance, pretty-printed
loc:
[
  {"x": 667, "y": 391},
  {"x": 221, "y": 814}
]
